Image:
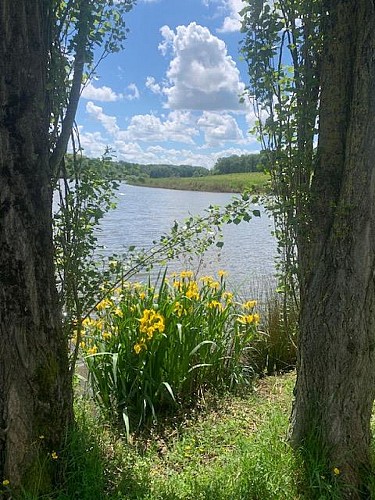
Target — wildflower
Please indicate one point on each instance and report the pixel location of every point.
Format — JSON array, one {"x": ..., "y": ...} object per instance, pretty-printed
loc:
[
  {"x": 142, "y": 295},
  {"x": 87, "y": 322},
  {"x": 92, "y": 350},
  {"x": 54, "y": 455},
  {"x": 336, "y": 471},
  {"x": 104, "y": 304},
  {"x": 214, "y": 284},
  {"x": 106, "y": 335},
  {"x": 118, "y": 312},
  {"x": 227, "y": 296},
  {"x": 137, "y": 348},
  {"x": 214, "y": 304},
  {"x": 206, "y": 279},
  {"x": 178, "y": 285},
  {"x": 150, "y": 322},
  {"x": 179, "y": 309},
  {"x": 82, "y": 345},
  {"x": 186, "y": 274},
  {"x": 222, "y": 273},
  {"x": 6, "y": 482},
  {"x": 193, "y": 291},
  {"x": 250, "y": 304},
  {"x": 249, "y": 319}
]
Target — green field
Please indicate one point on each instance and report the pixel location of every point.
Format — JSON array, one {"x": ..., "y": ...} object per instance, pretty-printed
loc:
[{"x": 228, "y": 183}]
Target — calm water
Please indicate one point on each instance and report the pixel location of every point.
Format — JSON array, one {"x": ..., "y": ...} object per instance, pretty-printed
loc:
[{"x": 144, "y": 214}]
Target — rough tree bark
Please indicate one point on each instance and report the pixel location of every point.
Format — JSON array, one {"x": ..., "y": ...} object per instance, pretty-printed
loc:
[
  {"x": 35, "y": 395},
  {"x": 335, "y": 385}
]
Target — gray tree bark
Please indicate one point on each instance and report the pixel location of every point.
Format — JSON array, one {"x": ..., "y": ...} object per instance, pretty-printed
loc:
[
  {"x": 335, "y": 386},
  {"x": 35, "y": 394}
]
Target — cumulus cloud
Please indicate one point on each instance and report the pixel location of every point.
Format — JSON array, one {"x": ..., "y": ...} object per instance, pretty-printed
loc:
[
  {"x": 232, "y": 22},
  {"x": 230, "y": 9},
  {"x": 219, "y": 128},
  {"x": 177, "y": 126},
  {"x": 201, "y": 75},
  {"x": 104, "y": 94},
  {"x": 109, "y": 122},
  {"x": 152, "y": 85}
]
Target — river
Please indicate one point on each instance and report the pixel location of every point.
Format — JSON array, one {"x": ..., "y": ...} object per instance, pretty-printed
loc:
[{"x": 143, "y": 214}]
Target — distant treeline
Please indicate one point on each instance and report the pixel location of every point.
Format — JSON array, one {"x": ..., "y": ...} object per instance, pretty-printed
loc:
[{"x": 122, "y": 170}]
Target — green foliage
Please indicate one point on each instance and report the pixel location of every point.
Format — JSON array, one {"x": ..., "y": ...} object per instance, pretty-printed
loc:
[
  {"x": 237, "y": 164},
  {"x": 148, "y": 349},
  {"x": 122, "y": 170},
  {"x": 254, "y": 182},
  {"x": 282, "y": 47},
  {"x": 82, "y": 203}
]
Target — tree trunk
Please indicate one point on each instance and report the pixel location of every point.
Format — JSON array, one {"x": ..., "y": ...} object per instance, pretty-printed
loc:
[
  {"x": 35, "y": 394},
  {"x": 335, "y": 385}
]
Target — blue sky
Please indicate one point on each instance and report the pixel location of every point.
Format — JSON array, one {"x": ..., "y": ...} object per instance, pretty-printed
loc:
[{"x": 172, "y": 96}]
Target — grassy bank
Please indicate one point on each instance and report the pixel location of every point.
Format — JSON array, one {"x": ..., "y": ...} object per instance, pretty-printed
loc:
[
  {"x": 229, "y": 183},
  {"x": 231, "y": 448}
]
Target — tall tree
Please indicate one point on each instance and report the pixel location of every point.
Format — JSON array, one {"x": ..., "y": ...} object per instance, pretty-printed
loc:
[
  {"x": 336, "y": 368},
  {"x": 330, "y": 197},
  {"x": 47, "y": 50},
  {"x": 35, "y": 396}
]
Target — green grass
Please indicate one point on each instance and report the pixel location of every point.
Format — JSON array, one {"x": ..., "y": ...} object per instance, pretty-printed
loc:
[
  {"x": 231, "y": 448},
  {"x": 228, "y": 183}
]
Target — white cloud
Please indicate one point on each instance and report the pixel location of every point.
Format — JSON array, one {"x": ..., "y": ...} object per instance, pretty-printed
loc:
[
  {"x": 219, "y": 128},
  {"x": 109, "y": 122},
  {"x": 153, "y": 85},
  {"x": 168, "y": 36},
  {"x": 202, "y": 75},
  {"x": 133, "y": 92},
  {"x": 232, "y": 22},
  {"x": 104, "y": 94},
  {"x": 230, "y": 10},
  {"x": 178, "y": 126},
  {"x": 93, "y": 143}
]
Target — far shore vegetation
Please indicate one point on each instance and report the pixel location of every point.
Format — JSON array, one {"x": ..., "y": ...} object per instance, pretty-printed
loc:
[{"x": 232, "y": 174}]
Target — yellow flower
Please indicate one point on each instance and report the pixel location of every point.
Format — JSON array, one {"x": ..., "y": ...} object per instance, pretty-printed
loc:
[
  {"x": 104, "y": 304},
  {"x": 250, "y": 304},
  {"x": 150, "y": 322},
  {"x": 214, "y": 304},
  {"x": 193, "y": 291},
  {"x": 118, "y": 312},
  {"x": 336, "y": 471},
  {"x": 206, "y": 279},
  {"x": 228, "y": 296},
  {"x": 142, "y": 295},
  {"x": 214, "y": 284},
  {"x": 186, "y": 274},
  {"x": 92, "y": 350},
  {"x": 178, "y": 285},
  {"x": 6, "y": 482},
  {"x": 82, "y": 345},
  {"x": 222, "y": 273},
  {"x": 87, "y": 322},
  {"x": 137, "y": 348},
  {"x": 106, "y": 335},
  {"x": 249, "y": 319},
  {"x": 54, "y": 455},
  {"x": 179, "y": 309}
]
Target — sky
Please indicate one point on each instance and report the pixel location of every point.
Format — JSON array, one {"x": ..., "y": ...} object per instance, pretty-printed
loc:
[{"x": 173, "y": 95}]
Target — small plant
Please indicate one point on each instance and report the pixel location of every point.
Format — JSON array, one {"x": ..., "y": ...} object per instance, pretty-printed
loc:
[{"x": 151, "y": 348}]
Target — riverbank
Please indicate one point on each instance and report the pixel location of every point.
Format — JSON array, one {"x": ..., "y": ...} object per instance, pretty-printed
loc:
[{"x": 257, "y": 182}]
